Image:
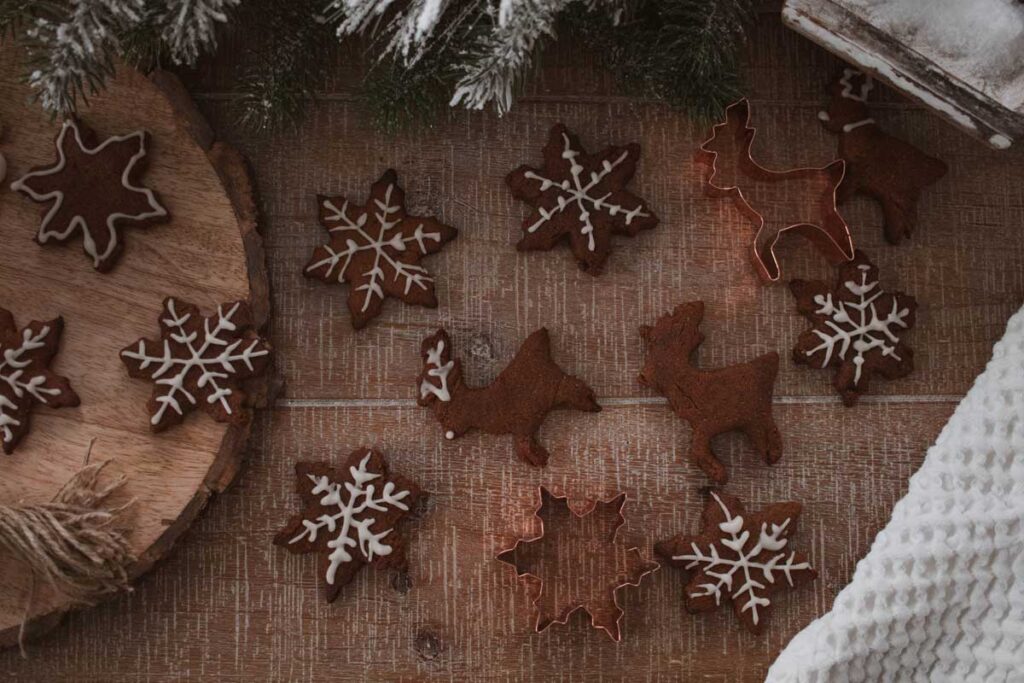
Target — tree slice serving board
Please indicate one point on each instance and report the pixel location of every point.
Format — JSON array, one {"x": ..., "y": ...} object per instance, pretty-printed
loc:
[{"x": 208, "y": 253}]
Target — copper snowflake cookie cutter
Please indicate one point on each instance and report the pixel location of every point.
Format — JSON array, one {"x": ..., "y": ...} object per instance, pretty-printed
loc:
[
  {"x": 605, "y": 615},
  {"x": 830, "y": 234}
]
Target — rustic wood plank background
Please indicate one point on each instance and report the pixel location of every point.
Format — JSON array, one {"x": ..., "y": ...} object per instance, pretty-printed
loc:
[{"x": 228, "y": 604}]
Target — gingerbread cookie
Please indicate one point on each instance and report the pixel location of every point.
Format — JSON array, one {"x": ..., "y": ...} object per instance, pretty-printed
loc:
[
  {"x": 801, "y": 201},
  {"x": 93, "y": 189},
  {"x": 198, "y": 361},
  {"x": 377, "y": 248},
  {"x": 736, "y": 397},
  {"x": 581, "y": 198},
  {"x": 350, "y": 517},
  {"x": 857, "y": 328},
  {"x": 739, "y": 557},
  {"x": 27, "y": 378},
  {"x": 882, "y": 166},
  {"x": 577, "y": 563},
  {"x": 516, "y": 402}
]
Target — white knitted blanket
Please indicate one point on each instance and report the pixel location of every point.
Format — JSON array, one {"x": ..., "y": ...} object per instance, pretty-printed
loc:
[{"x": 940, "y": 596}]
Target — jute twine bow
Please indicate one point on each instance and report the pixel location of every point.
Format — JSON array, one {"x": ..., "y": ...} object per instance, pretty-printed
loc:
[{"x": 71, "y": 541}]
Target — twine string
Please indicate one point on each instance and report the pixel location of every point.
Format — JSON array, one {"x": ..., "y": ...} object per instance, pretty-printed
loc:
[{"x": 72, "y": 541}]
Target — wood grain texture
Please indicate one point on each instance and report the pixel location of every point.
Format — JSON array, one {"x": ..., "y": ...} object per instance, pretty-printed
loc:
[
  {"x": 230, "y": 605},
  {"x": 211, "y": 240}
]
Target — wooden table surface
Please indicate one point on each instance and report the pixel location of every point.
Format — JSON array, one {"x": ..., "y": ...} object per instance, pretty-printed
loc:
[{"x": 228, "y": 604}]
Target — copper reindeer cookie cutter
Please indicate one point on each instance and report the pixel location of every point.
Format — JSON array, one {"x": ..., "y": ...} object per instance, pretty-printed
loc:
[
  {"x": 829, "y": 233},
  {"x": 600, "y": 604}
]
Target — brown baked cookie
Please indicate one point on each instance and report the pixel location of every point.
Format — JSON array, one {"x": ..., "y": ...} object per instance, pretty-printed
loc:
[
  {"x": 736, "y": 397},
  {"x": 25, "y": 359},
  {"x": 739, "y": 557},
  {"x": 198, "y": 361},
  {"x": 516, "y": 402},
  {"x": 93, "y": 189},
  {"x": 350, "y": 517},
  {"x": 856, "y": 328},
  {"x": 376, "y": 247},
  {"x": 581, "y": 198},
  {"x": 882, "y": 166}
]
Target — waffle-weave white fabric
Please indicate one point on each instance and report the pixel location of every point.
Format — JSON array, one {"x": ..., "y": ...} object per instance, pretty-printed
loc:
[{"x": 940, "y": 595}]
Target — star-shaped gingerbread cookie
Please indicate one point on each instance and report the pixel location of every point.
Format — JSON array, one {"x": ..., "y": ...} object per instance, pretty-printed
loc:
[
  {"x": 376, "y": 248},
  {"x": 93, "y": 189},
  {"x": 581, "y": 198},
  {"x": 25, "y": 375},
  {"x": 350, "y": 517},
  {"x": 738, "y": 557}
]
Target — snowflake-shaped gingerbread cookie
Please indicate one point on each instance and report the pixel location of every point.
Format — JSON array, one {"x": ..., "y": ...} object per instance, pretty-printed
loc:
[
  {"x": 857, "y": 328},
  {"x": 581, "y": 198},
  {"x": 377, "y": 248},
  {"x": 739, "y": 557},
  {"x": 349, "y": 517},
  {"x": 25, "y": 375},
  {"x": 93, "y": 189},
  {"x": 198, "y": 361}
]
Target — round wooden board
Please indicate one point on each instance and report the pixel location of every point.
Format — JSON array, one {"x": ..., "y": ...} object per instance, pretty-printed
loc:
[{"x": 209, "y": 252}]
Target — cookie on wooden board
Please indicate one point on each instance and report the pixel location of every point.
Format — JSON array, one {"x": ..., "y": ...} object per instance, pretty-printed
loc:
[
  {"x": 517, "y": 402},
  {"x": 739, "y": 557},
  {"x": 878, "y": 164},
  {"x": 93, "y": 189},
  {"x": 350, "y": 517},
  {"x": 25, "y": 375},
  {"x": 376, "y": 248},
  {"x": 734, "y": 398},
  {"x": 857, "y": 328},
  {"x": 198, "y": 362},
  {"x": 580, "y": 198}
]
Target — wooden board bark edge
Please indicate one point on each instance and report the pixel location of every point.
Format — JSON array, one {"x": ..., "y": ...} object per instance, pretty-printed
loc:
[{"x": 237, "y": 181}]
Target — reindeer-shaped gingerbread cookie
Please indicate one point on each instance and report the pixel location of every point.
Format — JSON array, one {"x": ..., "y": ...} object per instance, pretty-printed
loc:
[
  {"x": 736, "y": 397},
  {"x": 800, "y": 200},
  {"x": 890, "y": 170},
  {"x": 516, "y": 402}
]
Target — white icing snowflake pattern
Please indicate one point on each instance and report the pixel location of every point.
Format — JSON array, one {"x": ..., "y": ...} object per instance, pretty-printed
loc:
[
  {"x": 580, "y": 198},
  {"x": 199, "y": 359},
  {"x": 579, "y": 194},
  {"x": 351, "y": 526},
  {"x": 857, "y": 325},
  {"x": 745, "y": 575},
  {"x": 25, "y": 377},
  {"x": 376, "y": 249}
]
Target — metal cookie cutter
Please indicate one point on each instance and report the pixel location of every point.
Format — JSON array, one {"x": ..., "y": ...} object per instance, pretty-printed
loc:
[
  {"x": 582, "y": 566},
  {"x": 800, "y": 200}
]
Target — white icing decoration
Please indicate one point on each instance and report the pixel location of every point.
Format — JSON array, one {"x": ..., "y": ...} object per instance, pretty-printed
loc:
[
  {"x": 847, "y": 82},
  {"x": 755, "y": 574},
  {"x": 853, "y": 327},
  {"x": 449, "y": 435},
  {"x": 88, "y": 241},
  {"x": 413, "y": 274},
  {"x": 12, "y": 372},
  {"x": 1000, "y": 141},
  {"x": 352, "y": 513},
  {"x": 857, "y": 124},
  {"x": 579, "y": 194},
  {"x": 436, "y": 369},
  {"x": 172, "y": 371}
]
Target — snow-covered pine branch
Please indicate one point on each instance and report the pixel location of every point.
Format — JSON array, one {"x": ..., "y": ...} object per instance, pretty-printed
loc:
[
  {"x": 501, "y": 57},
  {"x": 71, "y": 55},
  {"x": 190, "y": 27}
]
